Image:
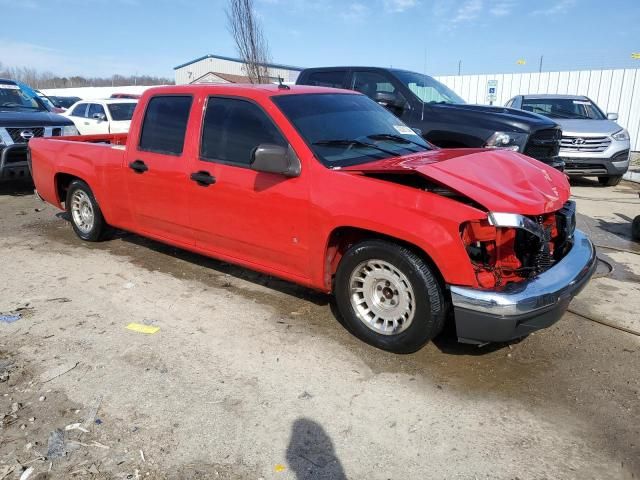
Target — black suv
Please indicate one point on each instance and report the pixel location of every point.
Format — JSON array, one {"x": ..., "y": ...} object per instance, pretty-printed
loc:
[
  {"x": 23, "y": 116},
  {"x": 441, "y": 116}
]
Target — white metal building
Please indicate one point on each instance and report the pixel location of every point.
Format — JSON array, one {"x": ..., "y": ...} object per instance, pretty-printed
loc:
[{"x": 219, "y": 69}]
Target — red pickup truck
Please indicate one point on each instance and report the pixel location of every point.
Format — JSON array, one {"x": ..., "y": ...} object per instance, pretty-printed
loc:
[{"x": 326, "y": 188}]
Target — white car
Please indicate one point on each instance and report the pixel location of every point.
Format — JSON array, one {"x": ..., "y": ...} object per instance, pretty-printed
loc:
[{"x": 96, "y": 117}]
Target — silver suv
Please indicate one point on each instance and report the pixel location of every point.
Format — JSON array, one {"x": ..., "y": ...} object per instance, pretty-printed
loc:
[{"x": 593, "y": 144}]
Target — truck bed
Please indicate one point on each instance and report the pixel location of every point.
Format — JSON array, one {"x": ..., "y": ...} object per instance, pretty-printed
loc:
[{"x": 109, "y": 138}]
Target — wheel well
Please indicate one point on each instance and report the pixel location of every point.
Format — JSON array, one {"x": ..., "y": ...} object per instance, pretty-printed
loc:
[
  {"x": 62, "y": 182},
  {"x": 342, "y": 238}
]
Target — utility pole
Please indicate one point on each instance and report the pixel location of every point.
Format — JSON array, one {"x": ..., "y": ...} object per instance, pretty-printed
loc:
[
  {"x": 540, "y": 69},
  {"x": 459, "y": 67}
]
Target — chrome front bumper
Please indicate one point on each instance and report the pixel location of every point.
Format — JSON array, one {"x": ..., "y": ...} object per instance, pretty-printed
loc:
[{"x": 520, "y": 308}]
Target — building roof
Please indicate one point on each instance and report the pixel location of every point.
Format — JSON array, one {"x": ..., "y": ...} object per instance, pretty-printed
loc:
[
  {"x": 231, "y": 59},
  {"x": 228, "y": 77}
]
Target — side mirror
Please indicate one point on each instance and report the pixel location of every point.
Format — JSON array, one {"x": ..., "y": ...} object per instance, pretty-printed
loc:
[
  {"x": 389, "y": 99},
  {"x": 269, "y": 158},
  {"x": 99, "y": 116},
  {"x": 612, "y": 116}
]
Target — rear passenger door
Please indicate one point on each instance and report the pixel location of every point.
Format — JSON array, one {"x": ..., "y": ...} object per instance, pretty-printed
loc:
[
  {"x": 156, "y": 170},
  {"x": 258, "y": 218}
]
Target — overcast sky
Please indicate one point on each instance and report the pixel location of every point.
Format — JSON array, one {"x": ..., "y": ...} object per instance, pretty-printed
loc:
[{"x": 101, "y": 37}]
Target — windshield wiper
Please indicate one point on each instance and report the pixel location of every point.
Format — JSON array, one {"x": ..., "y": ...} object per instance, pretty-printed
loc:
[
  {"x": 354, "y": 143},
  {"x": 395, "y": 138}
]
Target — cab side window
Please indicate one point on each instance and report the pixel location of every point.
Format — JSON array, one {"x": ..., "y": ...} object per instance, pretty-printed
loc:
[
  {"x": 165, "y": 124},
  {"x": 372, "y": 84},
  {"x": 80, "y": 110},
  {"x": 233, "y": 129}
]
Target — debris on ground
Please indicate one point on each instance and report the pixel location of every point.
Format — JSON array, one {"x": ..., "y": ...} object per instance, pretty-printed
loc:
[
  {"x": 10, "y": 317},
  {"x": 142, "y": 328},
  {"x": 55, "y": 445}
]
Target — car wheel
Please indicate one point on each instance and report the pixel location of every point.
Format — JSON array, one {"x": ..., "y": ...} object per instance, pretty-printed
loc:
[
  {"x": 610, "y": 181},
  {"x": 86, "y": 216},
  {"x": 389, "y": 297},
  {"x": 635, "y": 228}
]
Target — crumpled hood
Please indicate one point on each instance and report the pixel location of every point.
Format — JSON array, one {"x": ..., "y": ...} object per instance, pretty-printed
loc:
[{"x": 499, "y": 180}]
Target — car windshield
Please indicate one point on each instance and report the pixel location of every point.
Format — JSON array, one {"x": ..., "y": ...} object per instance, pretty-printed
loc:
[
  {"x": 121, "y": 111},
  {"x": 15, "y": 96},
  {"x": 64, "y": 102},
  {"x": 568, "y": 108},
  {"x": 427, "y": 89},
  {"x": 344, "y": 129}
]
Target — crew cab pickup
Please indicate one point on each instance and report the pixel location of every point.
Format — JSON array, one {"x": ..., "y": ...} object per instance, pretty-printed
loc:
[{"x": 327, "y": 189}]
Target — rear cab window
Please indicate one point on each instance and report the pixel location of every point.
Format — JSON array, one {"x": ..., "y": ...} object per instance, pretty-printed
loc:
[
  {"x": 165, "y": 124},
  {"x": 332, "y": 79}
]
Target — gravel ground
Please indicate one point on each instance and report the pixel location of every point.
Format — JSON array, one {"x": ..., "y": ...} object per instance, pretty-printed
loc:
[{"x": 251, "y": 377}]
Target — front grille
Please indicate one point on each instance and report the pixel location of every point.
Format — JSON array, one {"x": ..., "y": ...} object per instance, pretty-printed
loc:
[
  {"x": 15, "y": 154},
  {"x": 585, "y": 168},
  {"x": 18, "y": 134},
  {"x": 584, "y": 144},
  {"x": 543, "y": 145},
  {"x": 537, "y": 256}
]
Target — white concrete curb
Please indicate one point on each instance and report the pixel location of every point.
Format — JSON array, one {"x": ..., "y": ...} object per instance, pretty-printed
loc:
[{"x": 632, "y": 176}]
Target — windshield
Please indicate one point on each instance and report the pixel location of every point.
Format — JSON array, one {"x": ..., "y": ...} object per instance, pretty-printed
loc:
[
  {"x": 15, "y": 96},
  {"x": 427, "y": 89},
  {"x": 343, "y": 129},
  {"x": 579, "y": 108},
  {"x": 121, "y": 111}
]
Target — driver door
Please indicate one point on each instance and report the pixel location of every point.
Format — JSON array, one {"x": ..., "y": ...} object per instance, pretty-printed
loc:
[
  {"x": 261, "y": 219},
  {"x": 96, "y": 122}
]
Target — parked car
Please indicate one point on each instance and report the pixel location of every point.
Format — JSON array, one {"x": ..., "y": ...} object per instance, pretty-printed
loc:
[
  {"x": 64, "y": 102},
  {"x": 48, "y": 103},
  {"x": 327, "y": 189},
  {"x": 126, "y": 95},
  {"x": 23, "y": 116},
  {"x": 102, "y": 116},
  {"x": 443, "y": 118},
  {"x": 593, "y": 144}
]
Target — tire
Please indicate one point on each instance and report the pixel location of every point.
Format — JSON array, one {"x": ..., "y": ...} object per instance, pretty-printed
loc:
[
  {"x": 84, "y": 212},
  {"x": 388, "y": 279},
  {"x": 635, "y": 229},
  {"x": 610, "y": 181}
]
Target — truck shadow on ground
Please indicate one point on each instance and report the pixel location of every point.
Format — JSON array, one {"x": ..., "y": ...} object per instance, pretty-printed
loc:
[
  {"x": 156, "y": 256},
  {"x": 310, "y": 454}
]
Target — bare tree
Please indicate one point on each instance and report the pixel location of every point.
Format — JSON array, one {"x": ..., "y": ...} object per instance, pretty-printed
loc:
[{"x": 252, "y": 47}]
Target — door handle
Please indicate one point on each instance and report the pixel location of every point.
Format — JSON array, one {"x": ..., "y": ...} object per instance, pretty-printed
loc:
[
  {"x": 138, "y": 166},
  {"x": 202, "y": 178}
]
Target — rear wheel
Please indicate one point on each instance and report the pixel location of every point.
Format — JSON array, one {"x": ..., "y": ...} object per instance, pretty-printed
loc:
[
  {"x": 610, "y": 181},
  {"x": 388, "y": 296},
  {"x": 86, "y": 216}
]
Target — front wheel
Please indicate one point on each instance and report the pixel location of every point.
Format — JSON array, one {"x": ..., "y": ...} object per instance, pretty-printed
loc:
[
  {"x": 389, "y": 297},
  {"x": 86, "y": 216},
  {"x": 610, "y": 181}
]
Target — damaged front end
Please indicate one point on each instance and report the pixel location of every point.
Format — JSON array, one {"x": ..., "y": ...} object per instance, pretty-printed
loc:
[{"x": 510, "y": 248}]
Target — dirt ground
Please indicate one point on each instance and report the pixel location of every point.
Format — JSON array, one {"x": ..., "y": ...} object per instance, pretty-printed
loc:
[{"x": 251, "y": 377}]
